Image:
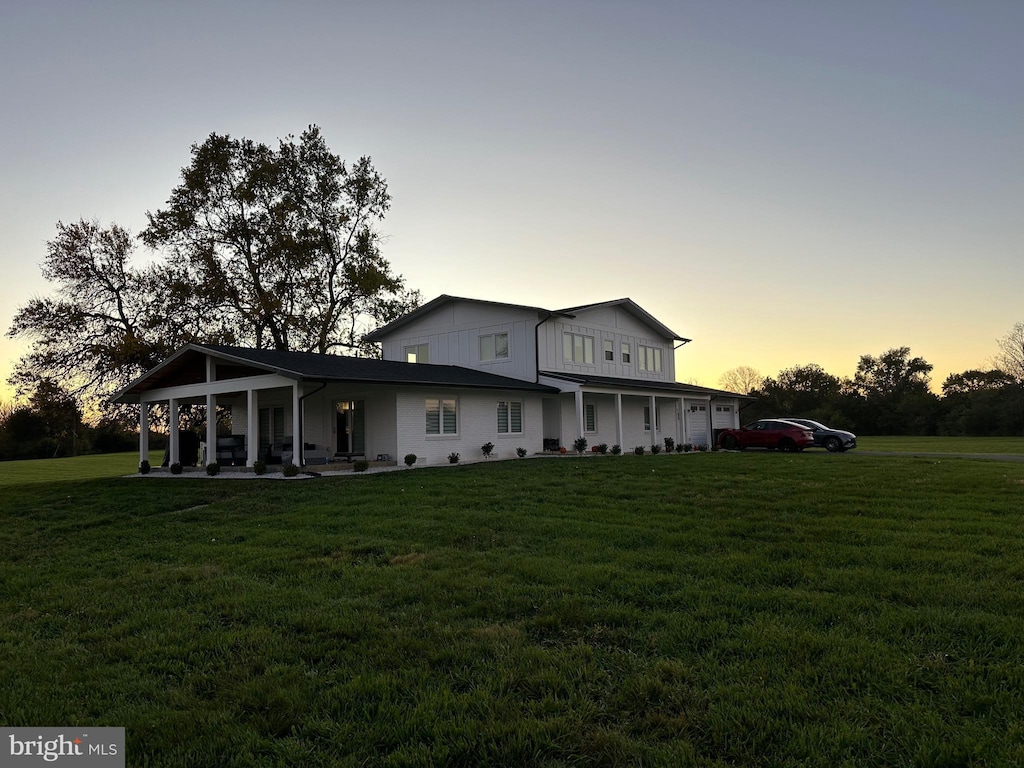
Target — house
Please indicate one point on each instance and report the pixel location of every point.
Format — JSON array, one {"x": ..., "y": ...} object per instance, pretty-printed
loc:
[{"x": 456, "y": 373}]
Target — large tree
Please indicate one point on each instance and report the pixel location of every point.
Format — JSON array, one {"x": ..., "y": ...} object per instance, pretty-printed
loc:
[
  {"x": 282, "y": 244},
  {"x": 895, "y": 389},
  {"x": 742, "y": 379},
  {"x": 106, "y": 320}
]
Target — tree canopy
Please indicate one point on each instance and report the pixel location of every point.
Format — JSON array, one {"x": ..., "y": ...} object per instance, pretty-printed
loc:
[{"x": 266, "y": 247}]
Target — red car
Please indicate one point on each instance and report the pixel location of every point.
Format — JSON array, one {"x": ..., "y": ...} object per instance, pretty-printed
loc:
[{"x": 767, "y": 433}]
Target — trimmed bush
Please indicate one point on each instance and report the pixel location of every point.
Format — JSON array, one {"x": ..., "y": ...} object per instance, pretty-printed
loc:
[
  {"x": 521, "y": 452},
  {"x": 640, "y": 450},
  {"x": 670, "y": 444},
  {"x": 144, "y": 467},
  {"x": 601, "y": 448},
  {"x": 361, "y": 466},
  {"x": 580, "y": 444},
  {"x": 410, "y": 459},
  {"x": 213, "y": 469},
  {"x": 616, "y": 449},
  {"x": 259, "y": 467},
  {"x": 290, "y": 470},
  {"x": 655, "y": 449},
  {"x": 176, "y": 468},
  {"x": 487, "y": 448},
  {"x": 453, "y": 458}
]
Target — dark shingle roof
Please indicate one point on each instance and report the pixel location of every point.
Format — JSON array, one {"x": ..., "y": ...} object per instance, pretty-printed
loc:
[
  {"x": 319, "y": 367},
  {"x": 646, "y": 384}
]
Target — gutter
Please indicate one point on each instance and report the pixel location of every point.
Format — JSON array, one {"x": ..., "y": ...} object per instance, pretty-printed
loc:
[{"x": 297, "y": 448}]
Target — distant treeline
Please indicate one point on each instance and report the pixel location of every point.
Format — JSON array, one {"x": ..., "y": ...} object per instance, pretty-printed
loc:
[{"x": 891, "y": 395}]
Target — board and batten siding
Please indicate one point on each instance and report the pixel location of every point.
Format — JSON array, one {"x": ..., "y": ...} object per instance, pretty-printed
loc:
[
  {"x": 612, "y": 324},
  {"x": 477, "y": 423}
]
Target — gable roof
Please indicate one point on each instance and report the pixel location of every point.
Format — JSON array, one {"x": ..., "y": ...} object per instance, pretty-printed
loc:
[
  {"x": 185, "y": 364},
  {"x": 443, "y": 299},
  {"x": 634, "y": 309},
  {"x": 628, "y": 304}
]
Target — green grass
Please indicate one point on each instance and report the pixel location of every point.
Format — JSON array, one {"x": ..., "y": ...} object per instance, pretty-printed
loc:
[
  {"x": 711, "y": 610},
  {"x": 943, "y": 444},
  {"x": 31, "y": 471}
]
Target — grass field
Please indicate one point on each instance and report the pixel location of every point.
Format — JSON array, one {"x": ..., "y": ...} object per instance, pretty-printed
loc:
[
  {"x": 711, "y": 610},
  {"x": 36, "y": 471},
  {"x": 943, "y": 444}
]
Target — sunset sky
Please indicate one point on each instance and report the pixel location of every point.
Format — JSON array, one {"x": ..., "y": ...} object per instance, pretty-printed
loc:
[{"x": 783, "y": 182}]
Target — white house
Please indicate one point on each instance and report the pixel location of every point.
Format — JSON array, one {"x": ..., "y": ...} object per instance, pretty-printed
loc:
[{"x": 456, "y": 373}]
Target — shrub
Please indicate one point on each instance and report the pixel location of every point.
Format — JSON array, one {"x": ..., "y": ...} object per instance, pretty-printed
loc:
[
  {"x": 259, "y": 467},
  {"x": 679, "y": 447},
  {"x": 602, "y": 447},
  {"x": 176, "y": 468},
  {"x": 290, "y": 470},
  {"x": 361, "y": 466},
  {"x": 687, "y": 447},
  {"x": 655, "y": 449},
  {"x": 616, "y": 449},
  {"x": 521, "y": 452},
  {"x": 410, "y": 459},
  {"x": 144, "y": 467},
  {"x": 487, "y": 448},
  {"x": 453, "y": 458},
  {"x": 213, "y": 468},
  {"x": 580, "y": 444},
  {"x": 670, "y": 444},
  {"x": 639, "y": 450}
]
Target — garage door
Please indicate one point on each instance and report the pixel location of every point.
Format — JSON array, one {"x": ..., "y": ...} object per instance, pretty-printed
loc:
[{"x": 697, "y": 423}]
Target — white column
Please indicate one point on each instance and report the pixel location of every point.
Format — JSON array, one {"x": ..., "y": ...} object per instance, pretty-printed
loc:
[
  {"x": 143, "y": 432},
  {"x": 172, "y": 426},
  {"x": 682, "y": 421},
  {"x": 297, "y": 453},
  {"x": 211, "y": 429},
  {"x": 618, "y": 418},
  {"x": 579, "y": 413},
  {"x": 252, "y": 438},
  {"x": 654, "y": 420}
]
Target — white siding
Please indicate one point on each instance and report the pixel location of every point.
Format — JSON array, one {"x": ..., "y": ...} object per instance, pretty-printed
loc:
[{"x": 477, "y": 424}]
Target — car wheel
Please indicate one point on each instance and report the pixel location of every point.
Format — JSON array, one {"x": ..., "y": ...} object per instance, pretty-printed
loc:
[
  {"x": 832, "y": 444},
  {"x": 787, "y": 445},
  {"x": 730, "y": 443}
]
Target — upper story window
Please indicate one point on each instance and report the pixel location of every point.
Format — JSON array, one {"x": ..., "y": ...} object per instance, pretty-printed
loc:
[
  {"x": 609, "y": 351},
  {"x": 577, "y": 348},
  {"x": 417, "y": 353},
  {"x": 442, "y": 416},
  {"x": 650, "y": 358},
  {"x": 625, "y": 353},
  {"x": 494, "y": 346}
]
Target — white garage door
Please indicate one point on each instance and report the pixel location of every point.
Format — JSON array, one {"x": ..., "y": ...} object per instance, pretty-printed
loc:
[
  {"x": 724, "y": 417},
  {"x": 697, "y": 423}
]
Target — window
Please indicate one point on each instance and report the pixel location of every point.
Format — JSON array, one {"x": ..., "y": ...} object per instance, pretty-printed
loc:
[
  {"x": 494, "y": 347},
  {"x": 625, "y": 353},
  {"x": 417, "y": 353},
  {"x": 650, "y": 358},
  {"x": 647, "y": 418},
  {"x": 577, "y": 348},
  {"x": 510, "y": 417},
  {"x": 589, "y": 417},
  {"x": 609, "y": 353},
  {"x": 723, "y": 409},
  {"x": 441, "y": 416}
]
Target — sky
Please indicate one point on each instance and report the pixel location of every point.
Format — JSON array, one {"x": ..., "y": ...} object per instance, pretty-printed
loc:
[{"x": 782, "y": 182}]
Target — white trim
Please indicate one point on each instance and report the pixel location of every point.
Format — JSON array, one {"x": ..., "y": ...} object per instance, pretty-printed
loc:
[{"x": 184, "y": 391}]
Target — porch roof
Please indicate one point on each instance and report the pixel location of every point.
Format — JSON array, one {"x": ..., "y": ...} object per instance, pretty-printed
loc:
[
  {"x": 669, "y": 387},
  {"x": 186, "y": 365}
]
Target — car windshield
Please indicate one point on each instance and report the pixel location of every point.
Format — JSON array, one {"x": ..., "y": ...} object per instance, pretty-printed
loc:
[{"x": 810, "y": 423}]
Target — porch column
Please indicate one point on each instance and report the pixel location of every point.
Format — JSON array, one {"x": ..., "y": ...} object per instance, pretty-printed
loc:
[
  {"x": 618, "y": 418},
  {"x": 579, "y": 413},
  {"x": 252, "y": 436},
  {"x": 682, "y": 421},
  {"x": 172, "y": 439},
  {"x": 143, "y": 431},
  {"x": 654, "y": 420},
  {"x": 297, "y": 452},
  {"x": 211, "y": 429}
]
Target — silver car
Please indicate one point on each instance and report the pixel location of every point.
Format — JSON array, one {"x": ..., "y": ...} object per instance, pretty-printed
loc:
[{"x": 831, "y": 440}]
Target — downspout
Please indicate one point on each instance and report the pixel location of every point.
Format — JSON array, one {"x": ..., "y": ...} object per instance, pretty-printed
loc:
[
  {"x": 536, "y": 347},
  {"x": 297, "y": 447}
]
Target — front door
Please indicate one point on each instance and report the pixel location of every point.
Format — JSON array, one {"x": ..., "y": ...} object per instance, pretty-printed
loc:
[{"x": 351, "y": 426}]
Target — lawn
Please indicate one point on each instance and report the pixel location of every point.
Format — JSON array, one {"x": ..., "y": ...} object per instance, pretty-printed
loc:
[
  {"x": 942, "y": 444},
  {"x": 31, "y": 471},
  {"x": 707, "y": 610}
]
